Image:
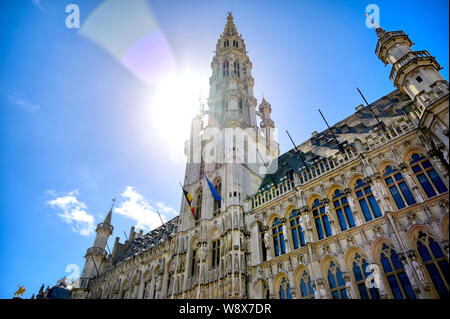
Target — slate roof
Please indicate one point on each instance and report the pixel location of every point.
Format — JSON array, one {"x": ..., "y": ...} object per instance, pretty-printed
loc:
[
  {"x": 323, "y": 144},
  {"x": 150, "y": 240}
]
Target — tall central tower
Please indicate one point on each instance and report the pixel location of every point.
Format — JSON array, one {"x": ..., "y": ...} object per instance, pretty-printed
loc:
[
  {"x": 212, "y": 245},
  {"x": 231, "y": 101}
]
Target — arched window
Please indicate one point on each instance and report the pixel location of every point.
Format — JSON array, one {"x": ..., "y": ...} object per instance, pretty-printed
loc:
[
  {"x": 343, "y": 211},
  {"x": 236, "y": 68},
  {"x": 397, "y": 186},
  {"x": 367, "y": 201},
  {"x": 278, "y": 237},
  {"x": 306, "y": 288},
  {"x": 261, "y": 243},
  {"x": 321, "y": 219},
  {"x": 226, "y": 43},
  {"x": 240, "y": 104},
  {"x": 225, "y": 69},
  {"x": 235, "y": 43},
  {"x": 217, "y": 203},
  {"x": 336, "y": 282},
  {"x": 435, "y": 262},
  {"x": 298, "y": 237},
  {"x": 360, "y": 273},
  {"x": 427, "y": 176},
  {"x": 215, "y": 253},
  {"x": 395, "y": 273},
  {"x": 285, "y": 289},
  {"x": 198, "y": 208}
]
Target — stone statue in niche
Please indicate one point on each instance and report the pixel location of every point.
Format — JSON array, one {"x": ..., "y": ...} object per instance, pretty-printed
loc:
[
  {"x": 322, "y": 292},
  {"x": 328, "y": 213},
  {"x": 349, "y": 289},
  {"x": 409, "y": 273},
  {"x": 285, "y": 232},
  {"x": 419, "y": 270},
  {"x": 266, "y": 240}
]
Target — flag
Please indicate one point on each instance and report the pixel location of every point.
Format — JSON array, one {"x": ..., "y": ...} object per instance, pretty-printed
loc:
[
  {"x": 214, "y": 192},
  {"x": 189, "y": 200}
]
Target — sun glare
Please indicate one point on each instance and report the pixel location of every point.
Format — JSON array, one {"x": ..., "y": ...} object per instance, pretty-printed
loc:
[{"x": 174, "y": 104}]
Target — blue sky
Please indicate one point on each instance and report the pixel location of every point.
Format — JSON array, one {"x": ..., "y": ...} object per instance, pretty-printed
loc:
[{"x": 77, "y": 127}]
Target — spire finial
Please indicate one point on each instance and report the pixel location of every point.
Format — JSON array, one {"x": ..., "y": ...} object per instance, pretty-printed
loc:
[
  {"x": 380, "y": 31},
  {"x": 108, "y": 217},
  {"x": 230, "y": 28}
]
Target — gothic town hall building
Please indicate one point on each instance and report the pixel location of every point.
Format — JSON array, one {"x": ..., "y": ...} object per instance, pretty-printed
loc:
[{"x": 356, "y": 211}]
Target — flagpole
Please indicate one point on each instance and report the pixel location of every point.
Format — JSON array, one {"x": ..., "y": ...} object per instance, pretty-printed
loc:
[
  {"x": 332, "y": 133},
  {"x": 270, "y": 175},
  {"x": 298, "y": 151},
  {"x": 370, "y": 108},
  {"x": 160, "y": 217}
]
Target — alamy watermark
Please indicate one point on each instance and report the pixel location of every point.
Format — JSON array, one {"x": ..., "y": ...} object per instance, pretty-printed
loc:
[
  {"x": 251, "y": 146},
  {"x": 372, "y": 16}
]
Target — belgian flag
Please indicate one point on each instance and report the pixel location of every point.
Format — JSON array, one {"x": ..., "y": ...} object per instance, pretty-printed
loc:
[{"x": 189, "y": 200}]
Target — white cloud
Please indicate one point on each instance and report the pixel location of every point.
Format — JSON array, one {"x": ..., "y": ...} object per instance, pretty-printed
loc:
[
  {"x": 22, "y": 102},
  {"x": 163, "y": 208},
  {"x": 38, "y": 3},
  {"x": 73, "y": 212},
  {"x": 141, "y": 210}
]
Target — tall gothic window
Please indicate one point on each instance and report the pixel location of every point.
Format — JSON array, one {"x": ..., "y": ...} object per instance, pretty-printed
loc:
[
  {"x": 367, "y": 201},
  {"x": 397, "y": 186},
  {"x": 236, "y": 68},
  {"x": 435, "y": 262},
  {"x": 321, "y": 219},
  {"x": 225, "y": 71},
  {"x": 361, "y": 272},
  {"x": 285, "y": 289},
  {"x": 169, "y": 288},
  {"x": 217, "y": 203},
  {"x": 266, "y": 291},
  {"x": 343, "y": 211},
  {"x": 215, "y": 252},
  {"x": 427, "y": 176},
  {"x": 298, "y": 237},
  {"x": 395, "y": 273},
  {"x": 306, "y": 288},
  {"x": 278, "y": 237},
  {"x": 198, "y": 208},
  {"x": 193, "y": 261},
  {"x": 261, "y": 243},
  {"x": 226, "y": 43},
  {"x": 336, "y": 282}
]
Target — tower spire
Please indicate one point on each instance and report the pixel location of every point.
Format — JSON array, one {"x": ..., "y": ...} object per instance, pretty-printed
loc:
[
  {"x": 108, "y": 217},
  {"x": 230, "y": 28}
]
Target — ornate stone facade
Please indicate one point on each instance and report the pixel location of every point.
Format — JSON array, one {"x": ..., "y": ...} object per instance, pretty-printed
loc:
[{"x": 360, "y": 212}]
